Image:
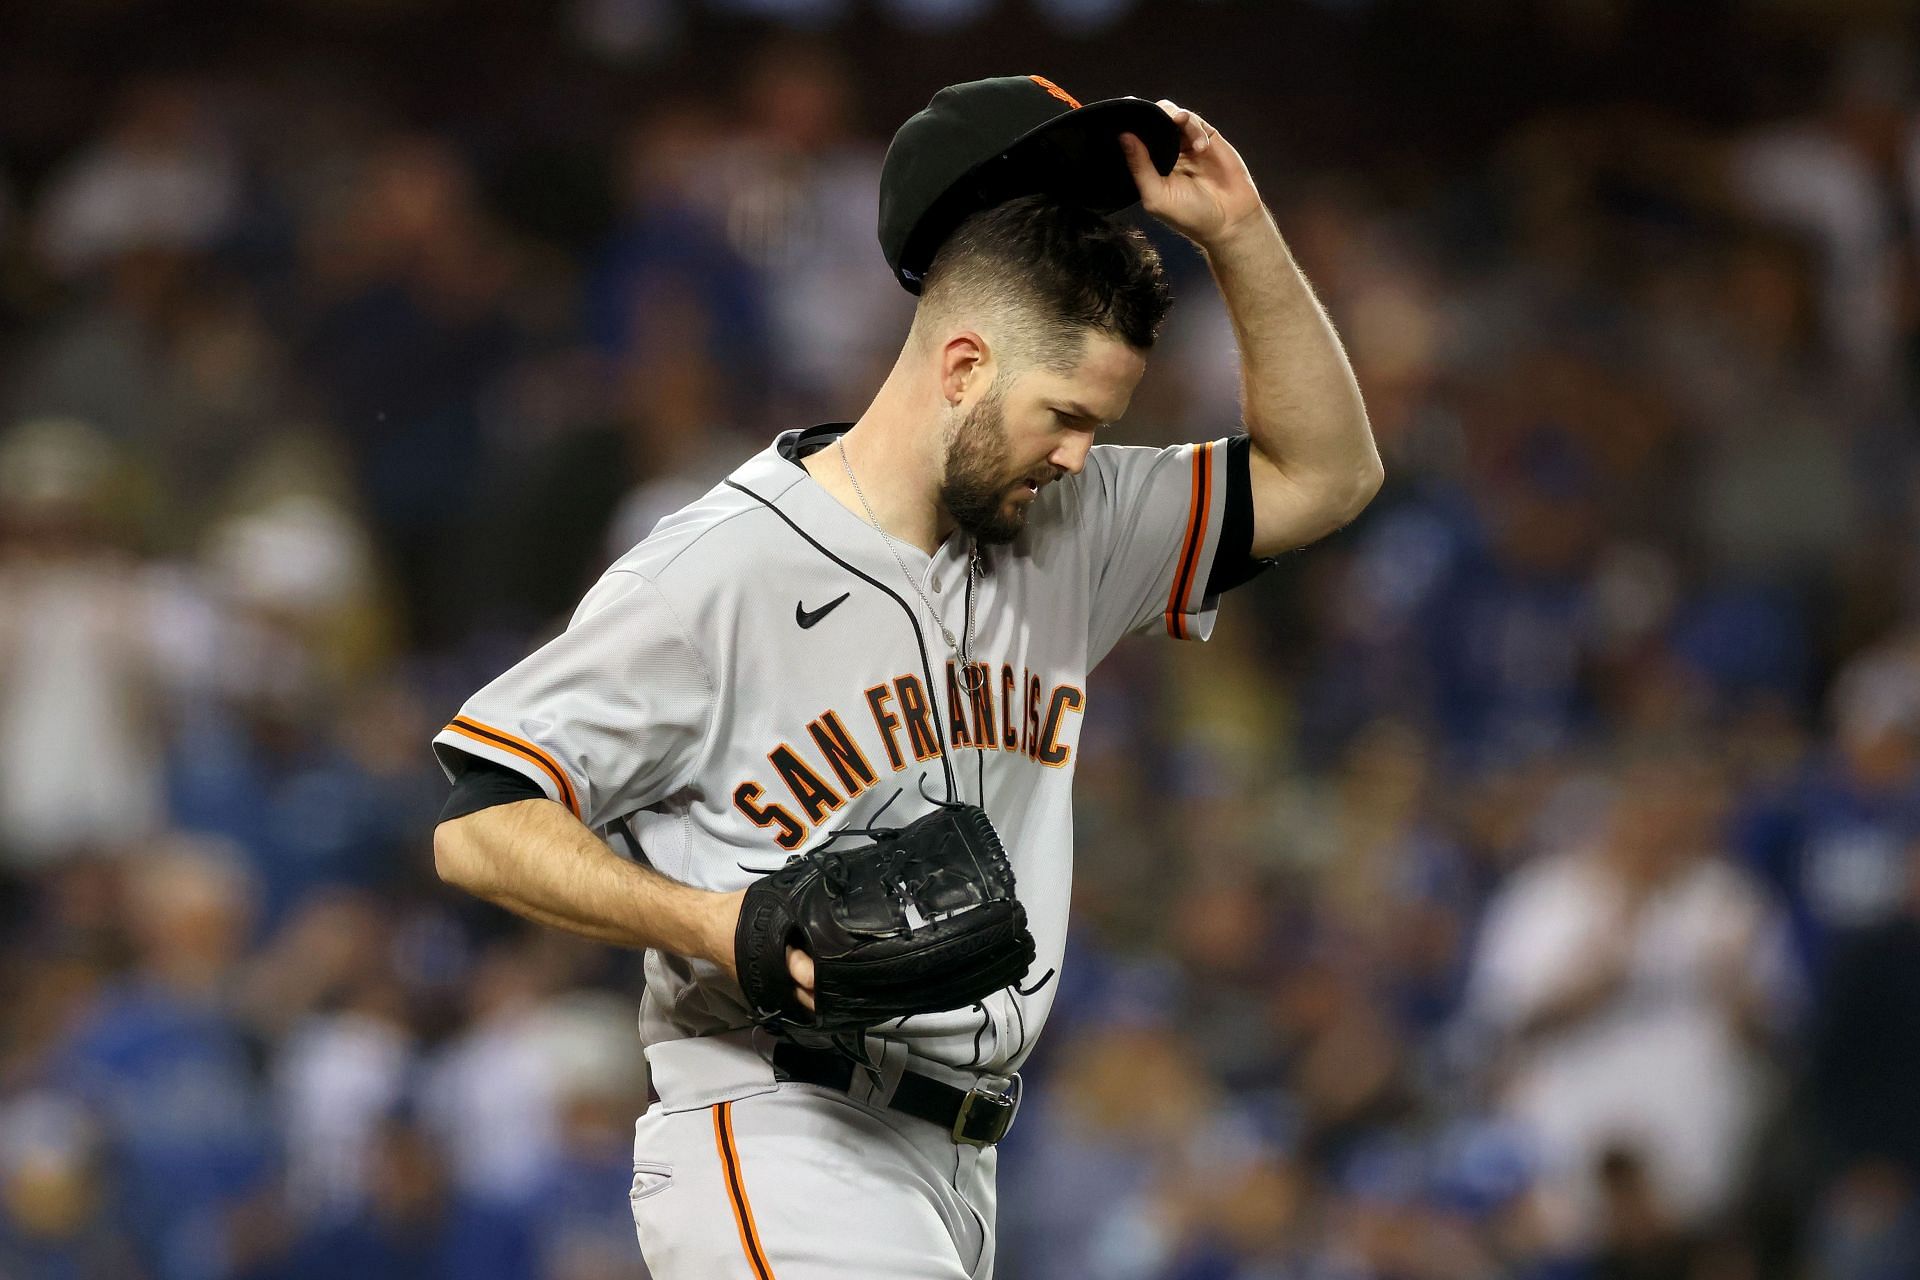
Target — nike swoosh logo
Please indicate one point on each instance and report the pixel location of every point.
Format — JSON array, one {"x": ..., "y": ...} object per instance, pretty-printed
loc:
[{"x": 807, "y": 617}]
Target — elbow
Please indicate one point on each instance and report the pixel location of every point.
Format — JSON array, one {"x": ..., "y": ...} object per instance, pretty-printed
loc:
[
  {"x": 1287, "y": 518},
  {"x": 1366, "y": 485},
  {"x": 1347, "y": 499},
  {"x": 457, "y": 856}
]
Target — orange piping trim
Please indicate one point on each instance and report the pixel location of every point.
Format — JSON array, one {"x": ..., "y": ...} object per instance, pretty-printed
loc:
[{"x": 492, "y": 737}]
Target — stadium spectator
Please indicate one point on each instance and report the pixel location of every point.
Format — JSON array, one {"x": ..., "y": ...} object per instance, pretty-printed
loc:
[
  {"x": 1866, "y": 1034},
  {"x": 1631, "y": 985},
  {"x": 82, "y": 662}
]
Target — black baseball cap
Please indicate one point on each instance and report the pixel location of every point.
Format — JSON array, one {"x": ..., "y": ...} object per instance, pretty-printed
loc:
[{"x": 985, "y": 142}]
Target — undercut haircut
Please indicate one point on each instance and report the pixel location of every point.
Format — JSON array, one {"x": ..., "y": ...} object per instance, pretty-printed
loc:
[{"x": 1043, "y": 275}]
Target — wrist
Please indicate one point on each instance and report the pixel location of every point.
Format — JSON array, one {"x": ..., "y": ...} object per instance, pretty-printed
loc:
[
  {"x": 722, "y": 920},
  {"x": 1253, "y": 231},
  {"x": 693, "y": 923}
]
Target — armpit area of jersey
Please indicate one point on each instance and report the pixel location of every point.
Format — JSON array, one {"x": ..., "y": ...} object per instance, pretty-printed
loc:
[
  {"x": 484, "y": 784},
  {"x": 1234, "y": 562}
]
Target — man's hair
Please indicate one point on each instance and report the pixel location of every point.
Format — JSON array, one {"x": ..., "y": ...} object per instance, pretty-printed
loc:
[{"x": 1044, "y": 274}]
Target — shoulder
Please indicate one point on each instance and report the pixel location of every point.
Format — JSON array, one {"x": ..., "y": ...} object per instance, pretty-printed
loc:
[
  {"x": 1121, "y": 480},
  {"x": 1550, "y": 882},
  {"x": 1108, "y": 465},
  {"x": 704, "y": 544},
  {"x": 1108, "y": 469},
  {"x": 1716, "y": 881},
  {"x": 1119, "y": 471},
  {"x": 697, "y": 531}
]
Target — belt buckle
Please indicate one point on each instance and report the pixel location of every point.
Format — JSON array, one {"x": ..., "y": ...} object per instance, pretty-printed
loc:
[{"x": 986, "y": 1114}]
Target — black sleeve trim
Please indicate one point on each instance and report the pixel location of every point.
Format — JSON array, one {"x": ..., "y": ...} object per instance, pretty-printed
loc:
[
  {"x": 1233, "y": 562},
  {"x": 482, "y": 784}
]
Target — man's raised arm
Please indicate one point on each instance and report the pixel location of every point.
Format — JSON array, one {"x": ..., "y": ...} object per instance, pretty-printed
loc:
[{"x": 1313, "y": 464}]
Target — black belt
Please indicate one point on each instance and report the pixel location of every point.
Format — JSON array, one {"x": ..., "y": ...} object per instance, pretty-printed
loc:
[{"x": 978, "y": 1117}]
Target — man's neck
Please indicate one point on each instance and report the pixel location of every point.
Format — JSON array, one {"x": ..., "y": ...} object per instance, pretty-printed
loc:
[{"x": 897, "y": 470}]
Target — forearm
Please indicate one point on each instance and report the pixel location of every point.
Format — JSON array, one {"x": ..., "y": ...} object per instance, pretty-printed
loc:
[
  {"x": 535, "y": 859},
  {"x": 1581, "y": 1000},
  {"x": 1299, "y": 398}
]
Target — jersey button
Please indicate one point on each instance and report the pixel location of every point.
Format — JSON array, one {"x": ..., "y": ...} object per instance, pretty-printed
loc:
[{"x": 936, "y": 586}]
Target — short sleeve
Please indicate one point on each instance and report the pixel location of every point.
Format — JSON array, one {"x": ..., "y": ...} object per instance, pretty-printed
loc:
[
  {"x": 1537, "y": 933},
  {"x": 1154, "y": 520},
  {"x": 610, "y": 716}
]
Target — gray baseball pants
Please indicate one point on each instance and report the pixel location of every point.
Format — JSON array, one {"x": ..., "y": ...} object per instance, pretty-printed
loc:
[{"x": 737, "y": 1174}]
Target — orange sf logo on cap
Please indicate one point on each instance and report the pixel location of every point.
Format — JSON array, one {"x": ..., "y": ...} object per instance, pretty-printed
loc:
[{"x": 1056, "y": 91}]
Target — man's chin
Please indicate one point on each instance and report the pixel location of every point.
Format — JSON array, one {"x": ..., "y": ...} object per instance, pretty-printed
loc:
[
  {"x": 998, "y": 533},
  {"x": 1000, "y": 528},
  {"x": 993, "y": 525}
]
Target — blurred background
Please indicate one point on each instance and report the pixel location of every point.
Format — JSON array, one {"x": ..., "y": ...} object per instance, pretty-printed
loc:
[{"x": 1522, "y": 883}]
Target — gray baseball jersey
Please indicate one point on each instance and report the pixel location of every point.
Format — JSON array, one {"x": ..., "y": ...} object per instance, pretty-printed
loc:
[{"x": 758, "y": 674}]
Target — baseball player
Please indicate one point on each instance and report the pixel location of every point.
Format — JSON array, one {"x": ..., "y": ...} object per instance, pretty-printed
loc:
[{"x": 886, "y": 623}]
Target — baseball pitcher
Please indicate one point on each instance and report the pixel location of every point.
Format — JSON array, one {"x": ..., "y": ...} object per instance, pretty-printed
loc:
[{"x": 811, "y": 744}]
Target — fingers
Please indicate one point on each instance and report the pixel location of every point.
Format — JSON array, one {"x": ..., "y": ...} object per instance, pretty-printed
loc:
[
  {"x": 800, "y": 968},
  {"x": 1139, "y": 162},
  {"x": 1196, "y": 135}
]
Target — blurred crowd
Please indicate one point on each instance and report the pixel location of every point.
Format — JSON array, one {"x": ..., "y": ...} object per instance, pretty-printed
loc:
[{"x": 1525, "y": 882}]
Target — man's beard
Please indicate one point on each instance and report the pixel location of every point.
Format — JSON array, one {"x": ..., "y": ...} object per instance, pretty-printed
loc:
[{"x": 979, "y": 476}]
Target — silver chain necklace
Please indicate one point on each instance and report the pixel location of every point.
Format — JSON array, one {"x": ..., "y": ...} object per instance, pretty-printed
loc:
[{"x": 973, "y": 555}]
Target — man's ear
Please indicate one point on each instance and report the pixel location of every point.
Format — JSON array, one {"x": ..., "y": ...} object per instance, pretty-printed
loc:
[{"x": 966, "y": 366}]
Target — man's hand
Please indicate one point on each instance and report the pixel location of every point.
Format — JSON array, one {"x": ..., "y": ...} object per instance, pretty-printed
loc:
[
  {"x": 800, "y": 965},
  {"x": 1210, "y": 195},
  {"x": 722, "y": 924}
]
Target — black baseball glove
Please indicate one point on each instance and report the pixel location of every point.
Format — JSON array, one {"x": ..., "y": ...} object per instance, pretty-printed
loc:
[{"x": 923, "y": 919}]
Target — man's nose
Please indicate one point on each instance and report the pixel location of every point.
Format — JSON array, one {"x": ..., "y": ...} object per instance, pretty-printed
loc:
[{"x": 1071, "y": 454}]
